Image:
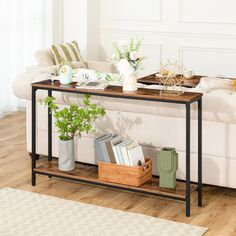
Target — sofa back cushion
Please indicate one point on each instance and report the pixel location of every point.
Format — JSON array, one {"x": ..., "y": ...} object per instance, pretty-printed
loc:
[
  {"x": 68, "y": 51},
  {"x": 44, "y": 58}
]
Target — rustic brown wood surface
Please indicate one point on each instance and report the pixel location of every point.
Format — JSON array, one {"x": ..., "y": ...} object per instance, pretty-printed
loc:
[
  {"x": 219, "y": 204},
  {"x": 90, "y": 173},
  {"x": 189, "y": 83},
  {"x": 116, "y": 91}
]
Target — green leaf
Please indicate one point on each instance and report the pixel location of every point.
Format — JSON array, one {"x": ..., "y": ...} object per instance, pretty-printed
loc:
[{"x": 74, "y": 119}]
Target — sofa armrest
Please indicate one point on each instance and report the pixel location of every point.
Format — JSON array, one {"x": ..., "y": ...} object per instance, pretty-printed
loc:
[
  {"x": 101, "y": 66},
  {"x": 22, "y": 83}
]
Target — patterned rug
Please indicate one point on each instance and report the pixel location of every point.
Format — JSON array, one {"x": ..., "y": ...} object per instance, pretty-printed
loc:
[{"x": 26, "y": 213}]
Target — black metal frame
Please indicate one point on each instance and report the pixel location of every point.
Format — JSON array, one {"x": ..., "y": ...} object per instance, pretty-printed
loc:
[{"x": 188, "y": 144}]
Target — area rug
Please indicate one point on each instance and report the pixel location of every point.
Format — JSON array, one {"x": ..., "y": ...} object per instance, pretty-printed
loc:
[{"x": 26, "y": 213}]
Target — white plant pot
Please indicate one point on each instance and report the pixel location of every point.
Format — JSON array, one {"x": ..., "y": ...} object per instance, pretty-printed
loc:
[
  {"x": 66, "y": 155},
  {"x": 130, "y": 83}
]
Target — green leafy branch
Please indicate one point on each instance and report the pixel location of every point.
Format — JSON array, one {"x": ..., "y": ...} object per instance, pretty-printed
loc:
[{"x": 73, "y": 120}]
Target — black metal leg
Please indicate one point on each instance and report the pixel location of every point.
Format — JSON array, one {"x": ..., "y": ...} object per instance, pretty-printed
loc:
[
  {"x": 37, "y": 156},
  {"x": 188, "y": 110},
  {"x": 49, "y": 130},
  {"x": 200, "y": 152},
  {"x": 33, "y": 134}
]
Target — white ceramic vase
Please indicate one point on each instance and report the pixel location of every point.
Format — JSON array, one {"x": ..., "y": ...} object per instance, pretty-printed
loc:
[
  {"x": 66, "y": 155},
  {"x": 130, "y": 83}
]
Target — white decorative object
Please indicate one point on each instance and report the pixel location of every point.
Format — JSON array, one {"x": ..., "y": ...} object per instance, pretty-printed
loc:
[
  {"x": 66, "y": 75},
  {"x": 129, "y": 61},
  {"x": 124, "y": 67},
  {"x": 130, "y": 83},
  {"x": 18, "y": 211},
  {"x": 66, "y": 155},
  {"x": 188, "y": 73},
  {"x": 171, "y": 77}
]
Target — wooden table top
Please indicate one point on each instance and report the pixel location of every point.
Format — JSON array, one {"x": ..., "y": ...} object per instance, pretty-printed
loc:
[
  {"x": 116, "y": 91},
  {"x": 189, "y": 83}
]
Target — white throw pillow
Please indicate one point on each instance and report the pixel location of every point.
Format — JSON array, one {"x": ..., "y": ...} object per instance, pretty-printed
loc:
[
  {"x": 44, "y": 58},
  {"x": 211, "y": 83}
]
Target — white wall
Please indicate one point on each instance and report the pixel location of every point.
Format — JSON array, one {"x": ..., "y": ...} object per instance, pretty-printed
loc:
[
  {"x": 75, "y": 22},
  {"x": 200, "y": 34},
  {"x": 81, "y": 22}
]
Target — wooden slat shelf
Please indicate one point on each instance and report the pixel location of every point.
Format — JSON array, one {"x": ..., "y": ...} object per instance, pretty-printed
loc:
[{"x": 89, "y": 174}]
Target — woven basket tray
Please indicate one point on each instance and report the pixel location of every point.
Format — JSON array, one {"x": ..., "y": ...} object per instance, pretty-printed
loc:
[{"x": 128, "y": 175}]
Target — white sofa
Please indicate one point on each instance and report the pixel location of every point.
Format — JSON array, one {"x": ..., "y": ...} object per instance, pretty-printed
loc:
[{"x": 154, "y": 125}]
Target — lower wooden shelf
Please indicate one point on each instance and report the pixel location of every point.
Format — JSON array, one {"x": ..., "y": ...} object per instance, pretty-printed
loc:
[{"x": 89, "y": 174}]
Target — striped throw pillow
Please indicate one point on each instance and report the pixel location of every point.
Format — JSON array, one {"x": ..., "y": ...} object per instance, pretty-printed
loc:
[{"x": 68, "y": 52}]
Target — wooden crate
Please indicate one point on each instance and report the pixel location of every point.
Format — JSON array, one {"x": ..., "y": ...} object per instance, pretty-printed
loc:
[{"x": 122, "y": 174}]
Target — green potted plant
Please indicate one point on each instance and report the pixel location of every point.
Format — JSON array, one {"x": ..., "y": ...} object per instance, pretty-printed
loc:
[{"x": 71, "y": 122}]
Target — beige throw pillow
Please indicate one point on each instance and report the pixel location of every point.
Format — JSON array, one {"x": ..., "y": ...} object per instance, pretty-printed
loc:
[{"x": 44, "y": 57}]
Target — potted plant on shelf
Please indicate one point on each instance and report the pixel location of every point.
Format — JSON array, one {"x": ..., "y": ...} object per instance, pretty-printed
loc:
[
  {"x": 71, "y": 122},
  {"x": 129, "y": 61}
]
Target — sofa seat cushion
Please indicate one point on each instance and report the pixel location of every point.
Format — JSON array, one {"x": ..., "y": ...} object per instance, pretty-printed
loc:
[{"x": 221, "y": 105}]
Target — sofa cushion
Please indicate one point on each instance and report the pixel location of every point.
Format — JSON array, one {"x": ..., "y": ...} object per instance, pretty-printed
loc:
[
  {"x": 68, "y": 52},
  {"x": 101, "y": 66},
  {"x": 44, "y": 58},
  {"x": 211, "y": 83},
  {"x": 83, "y": 74},
  {"x": 73, "y": 64}
]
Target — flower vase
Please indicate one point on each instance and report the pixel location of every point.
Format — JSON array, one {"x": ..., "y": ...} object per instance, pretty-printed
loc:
[
  {"x": 66, "y": 155},
  {"x": 130, "y": 83}
]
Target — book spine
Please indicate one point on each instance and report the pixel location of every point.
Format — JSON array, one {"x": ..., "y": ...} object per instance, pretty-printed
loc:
[
  {"x": 98, "y": 150},
  {"x": 119, "y": 155},
  {"x": 106, "y": 157},
  {"x": 110, "y": 152},
  {"x": 125, "y": 156},
  {"x": 116, "y": 155}
]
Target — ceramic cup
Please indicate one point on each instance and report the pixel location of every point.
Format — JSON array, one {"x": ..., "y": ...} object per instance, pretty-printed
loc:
[{"x": 188, "y": 73}]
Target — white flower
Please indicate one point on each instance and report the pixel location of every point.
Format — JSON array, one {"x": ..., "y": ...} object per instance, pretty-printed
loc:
[
  {"x": 123, "y": 43},
  {"x": 134, "y": 55},
  {"x": 124, "y": 67}
]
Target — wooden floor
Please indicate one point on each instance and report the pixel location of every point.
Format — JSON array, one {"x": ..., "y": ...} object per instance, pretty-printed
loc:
[{"x": 219, "y": 204}]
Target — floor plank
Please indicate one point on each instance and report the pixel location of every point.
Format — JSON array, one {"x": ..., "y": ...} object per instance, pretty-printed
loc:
[{"x": 219, "y": 204}]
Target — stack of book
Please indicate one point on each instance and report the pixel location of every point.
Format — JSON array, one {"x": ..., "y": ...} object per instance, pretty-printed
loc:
[{"x": 113, "y": 149}]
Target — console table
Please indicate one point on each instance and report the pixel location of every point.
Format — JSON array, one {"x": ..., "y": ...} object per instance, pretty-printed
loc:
[{"x": 88, "y": 173}]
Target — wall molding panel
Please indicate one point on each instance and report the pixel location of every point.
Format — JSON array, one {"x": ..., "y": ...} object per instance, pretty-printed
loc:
[
  {"x": 169, "y": 33},
  {"x": 183, "y": 49},
  {"x": 201, "y": 34},
  {"x": 182, "y": 18},
  {"x": 119, "y": 11},
  {"x": 210, "y": 61},
  {"x": 153, "y": 57}
]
